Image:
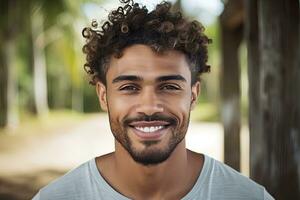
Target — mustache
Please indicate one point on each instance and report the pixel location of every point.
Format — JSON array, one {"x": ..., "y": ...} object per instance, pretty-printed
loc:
[{"x": 148, "y": 118}]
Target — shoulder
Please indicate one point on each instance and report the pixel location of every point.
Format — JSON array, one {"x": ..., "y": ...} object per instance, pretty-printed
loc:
[
  {"x": 228, "y": 182},
  {"x": 230, "y": 175},
  {"x": 70, "y": 185}
]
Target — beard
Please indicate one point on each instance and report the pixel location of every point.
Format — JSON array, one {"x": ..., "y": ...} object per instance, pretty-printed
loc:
[{"x": 150, "y": 154}]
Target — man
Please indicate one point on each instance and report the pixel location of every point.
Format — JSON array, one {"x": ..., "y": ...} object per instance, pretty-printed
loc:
[{"x": 145, "y": 66}]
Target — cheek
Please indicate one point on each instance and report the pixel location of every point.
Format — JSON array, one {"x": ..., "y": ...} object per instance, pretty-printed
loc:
[
  {"x": 118, "y": 107},
  {"x": 184, "y": 110},
  {"x": 180, "y": 107},
  {"x": 181, "y": 101}
]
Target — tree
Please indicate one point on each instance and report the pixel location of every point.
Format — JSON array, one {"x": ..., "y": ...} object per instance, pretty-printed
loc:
[
  {"x": 38, "y": 62},
  {"x": 66, "y": 49},
  {"x": 40, "y": 31},
  {"x": 10, "y": 23}
]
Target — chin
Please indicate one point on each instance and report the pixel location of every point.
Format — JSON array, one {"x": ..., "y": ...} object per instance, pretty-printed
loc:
[
  {"x": 151, "y": 154},
  {"x": 148, "y": 158}
]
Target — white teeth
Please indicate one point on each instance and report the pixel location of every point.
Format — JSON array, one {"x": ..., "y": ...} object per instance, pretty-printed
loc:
[{"x": 149, "y": 129}]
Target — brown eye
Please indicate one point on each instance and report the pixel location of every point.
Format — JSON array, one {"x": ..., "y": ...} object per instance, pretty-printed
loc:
[
  {"x": 129, "y": 88},
  {"x": 170, "y": 87}
]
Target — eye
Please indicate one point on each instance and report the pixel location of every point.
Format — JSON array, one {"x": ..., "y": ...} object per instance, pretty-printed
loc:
[
  {"x": 170, "y": 87},
  {"x": 129, "y": 88}
]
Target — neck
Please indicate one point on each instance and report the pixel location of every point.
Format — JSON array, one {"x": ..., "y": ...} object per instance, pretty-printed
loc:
[{"x": 154, "y": 181}]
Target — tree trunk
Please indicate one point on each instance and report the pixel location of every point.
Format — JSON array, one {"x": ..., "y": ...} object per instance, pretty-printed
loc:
[
  {"x": 9, "y": 24},
  {"x": 275, "y": 160},
  {"x": 12, "y": 85},
  {"x": 39, "y": 65},
  {"x": 9, "y": 94},
  {"x": 231, "y": 37},
  {"x": 3, "y": 86}
]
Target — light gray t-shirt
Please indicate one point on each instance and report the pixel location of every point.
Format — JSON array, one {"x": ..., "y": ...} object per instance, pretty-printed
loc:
[{"x": 216, "y": 181}]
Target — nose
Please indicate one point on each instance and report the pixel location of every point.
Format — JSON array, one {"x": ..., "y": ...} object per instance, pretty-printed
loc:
[{"x": 149, "y": 103}]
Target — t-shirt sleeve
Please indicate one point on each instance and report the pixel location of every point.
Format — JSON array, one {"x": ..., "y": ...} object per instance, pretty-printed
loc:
[
  {"x": 37, "y": 196},
  {"x": 267, "y": 196}
]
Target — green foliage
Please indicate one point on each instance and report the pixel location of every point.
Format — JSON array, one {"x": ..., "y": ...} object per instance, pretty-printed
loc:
[
  {"x": 207, "y": 112},
  {"x": 51, "y": 10},
  {"x": 91, "y": 103}
]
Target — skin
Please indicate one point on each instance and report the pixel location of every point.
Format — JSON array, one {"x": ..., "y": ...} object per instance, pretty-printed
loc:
[{"x": 144, "y": 83}]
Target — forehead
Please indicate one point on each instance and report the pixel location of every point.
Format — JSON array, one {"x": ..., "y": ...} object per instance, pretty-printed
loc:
[{"x": 141, "y": 60}]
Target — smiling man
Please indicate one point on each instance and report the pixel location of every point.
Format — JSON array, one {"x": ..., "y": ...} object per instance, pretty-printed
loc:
[{"x": 146, "y": 67}]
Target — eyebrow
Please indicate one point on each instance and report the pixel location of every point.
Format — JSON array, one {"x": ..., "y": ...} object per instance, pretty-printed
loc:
[
  {"x": 138, "y": 78},
  {"x": 171, "y": 77},
  {"x": 127, "y": 78}
]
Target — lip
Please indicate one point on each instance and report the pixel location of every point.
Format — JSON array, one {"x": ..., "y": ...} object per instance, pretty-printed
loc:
[
  {"x": 156, "y": 135},
  {"x": 148, "y": 123}
]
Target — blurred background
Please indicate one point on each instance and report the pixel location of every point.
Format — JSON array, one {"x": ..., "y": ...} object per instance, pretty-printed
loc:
[{"x": 248, "y": 115}]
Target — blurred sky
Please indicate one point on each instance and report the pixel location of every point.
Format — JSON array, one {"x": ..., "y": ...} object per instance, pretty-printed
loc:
[{"x": 206, "y": 11}]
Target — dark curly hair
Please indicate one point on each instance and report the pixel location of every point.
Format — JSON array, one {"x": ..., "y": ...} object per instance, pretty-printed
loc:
[{"x": 160, "y": 29}]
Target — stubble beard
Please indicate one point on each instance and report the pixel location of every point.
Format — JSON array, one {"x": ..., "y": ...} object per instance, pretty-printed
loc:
[{"x": 149, "y": 155}]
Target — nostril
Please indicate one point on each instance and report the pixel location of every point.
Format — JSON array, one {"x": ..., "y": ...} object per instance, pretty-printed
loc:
[{"x": 149, "y": 109}]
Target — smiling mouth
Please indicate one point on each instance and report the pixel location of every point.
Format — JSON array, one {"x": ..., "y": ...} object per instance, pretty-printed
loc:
[
  {"x": 150, "y": 130},
  {"x": 149, "y": 126}
]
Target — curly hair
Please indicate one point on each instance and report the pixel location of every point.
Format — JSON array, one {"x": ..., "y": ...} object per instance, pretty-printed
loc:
[{"x": 160, "y": 29}]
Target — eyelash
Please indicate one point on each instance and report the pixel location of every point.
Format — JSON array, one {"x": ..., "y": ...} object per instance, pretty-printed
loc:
[
  {"x": 133, "y": 88},
  {"x": 129, "y": 88},
  {"x": 170, "y": 87}
]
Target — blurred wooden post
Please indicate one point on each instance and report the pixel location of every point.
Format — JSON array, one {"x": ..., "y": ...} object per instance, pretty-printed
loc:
[
  {"x": 275, "y": 95},
  {"x": 255, "y": 120},
  {"x": 231, "y": 36}
]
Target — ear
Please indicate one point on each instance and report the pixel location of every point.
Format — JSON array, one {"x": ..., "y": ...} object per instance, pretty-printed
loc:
[
  {"x": 196, "y": 87},
  {"x": 101, "y": 93}
]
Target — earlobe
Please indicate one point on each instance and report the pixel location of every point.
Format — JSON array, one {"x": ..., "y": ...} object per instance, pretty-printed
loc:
[
  {"x": 195, "y": 94},
  {"x": 101, "y": 93}
]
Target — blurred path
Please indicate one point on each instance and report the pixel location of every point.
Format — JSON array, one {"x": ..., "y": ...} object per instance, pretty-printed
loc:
[
  {"x": 61, "y": 150},
  {"x": 68, "y": 148}
]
